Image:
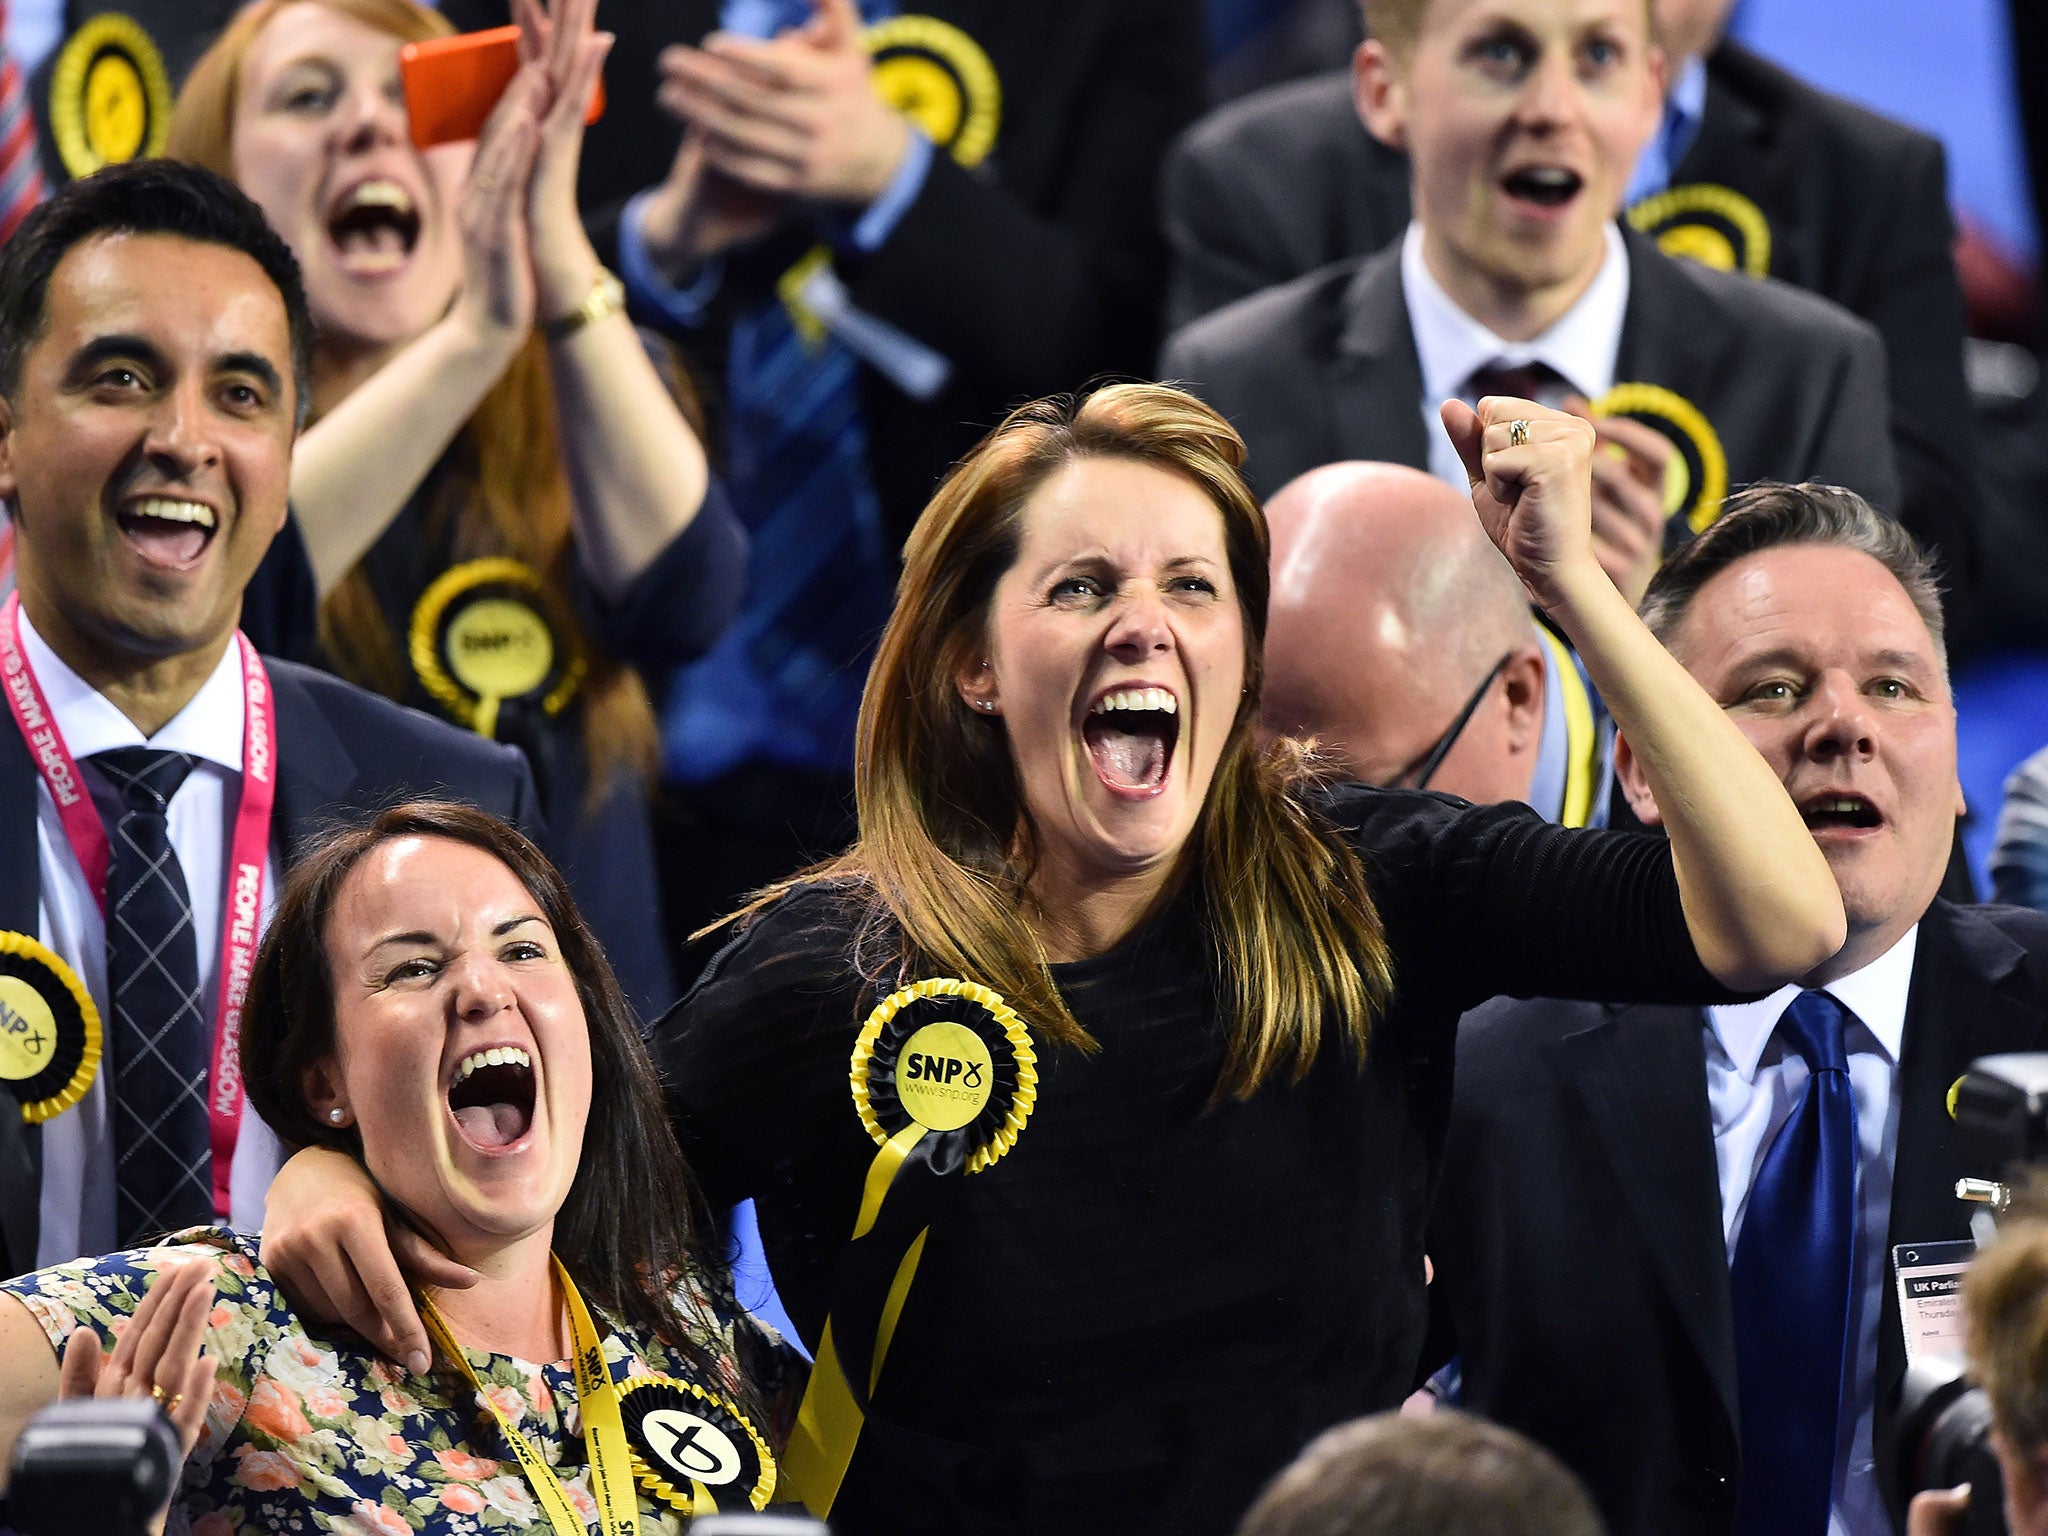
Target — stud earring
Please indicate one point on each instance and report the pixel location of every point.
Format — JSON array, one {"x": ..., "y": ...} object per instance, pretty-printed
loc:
[{"x": 336, "y": 1115}]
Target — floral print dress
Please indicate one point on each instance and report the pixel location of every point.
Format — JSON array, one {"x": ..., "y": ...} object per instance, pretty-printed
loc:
[{"x": 311, "y": 1431}]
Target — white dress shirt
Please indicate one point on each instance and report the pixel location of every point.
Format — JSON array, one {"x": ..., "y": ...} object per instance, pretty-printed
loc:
[
  {"x": 1753, "y": 1085},
  {"x": 78, "y": 1145},
  {"x": 1451, "y": 346}
]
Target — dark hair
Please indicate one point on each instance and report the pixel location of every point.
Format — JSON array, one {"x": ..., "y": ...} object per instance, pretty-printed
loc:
[
  {"x": 144, "y": 197},
  {"x": 1440, "y": 1474},
  {"x": 1773, "y": 516},
  {"x": 628, "y": 1230}
]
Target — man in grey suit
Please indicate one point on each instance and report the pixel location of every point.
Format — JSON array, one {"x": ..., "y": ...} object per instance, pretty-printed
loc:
[
  {"x": 1521, "y": 122},
  {"x": 1751, "y": 169}
]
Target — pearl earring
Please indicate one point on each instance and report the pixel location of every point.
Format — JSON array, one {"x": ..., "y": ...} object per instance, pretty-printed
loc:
[{"x": 336, "y": 1115}]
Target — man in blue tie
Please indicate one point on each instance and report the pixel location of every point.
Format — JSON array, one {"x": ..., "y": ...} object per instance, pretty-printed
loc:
[{"x": 1664, "y": 1237}]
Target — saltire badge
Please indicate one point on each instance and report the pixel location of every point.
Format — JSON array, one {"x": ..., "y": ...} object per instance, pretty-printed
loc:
[{"x": 693, "y": 1449}]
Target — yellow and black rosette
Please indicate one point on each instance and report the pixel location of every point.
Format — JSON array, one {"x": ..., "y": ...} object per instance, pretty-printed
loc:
[
  {"x": 944, "y": 1079},
  {"x": 1696, "y": 479},
  {"x": 942, "y": 80},
  {"x": 693, "y": 1449},
  {"x": 950, "y": 1059},
  {"x": 110, "y": 97},
  {"x": 49, "y": 1030},
  {"x": 488, "y": 632},
  {"x": 1713, "y": 225}
]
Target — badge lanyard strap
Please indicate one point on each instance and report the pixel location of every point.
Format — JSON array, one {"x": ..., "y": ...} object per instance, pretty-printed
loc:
[
  {"x": 241, "y": 916},
  {"x": 604, "y": 1423}
]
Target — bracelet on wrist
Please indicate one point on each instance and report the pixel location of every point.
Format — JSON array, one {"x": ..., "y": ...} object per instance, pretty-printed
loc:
[{"x": 607, "y": 296}]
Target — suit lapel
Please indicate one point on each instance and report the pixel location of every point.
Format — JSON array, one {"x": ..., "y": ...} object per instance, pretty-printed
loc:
[
  {"x": 1642, "y": 1073},
  {"x": 1375, "y": 379},
  {"x": 1958, "y": 1009},
  {"x": 316, "y": 772},
  {"x": 20, "y": 912},
  {"x": 21, "y": 890},
  {"x": 1661, "y": 339}
]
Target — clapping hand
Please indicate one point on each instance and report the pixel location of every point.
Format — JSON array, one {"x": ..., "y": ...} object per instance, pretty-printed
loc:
[
  {"x": 795, "y": 116},
  {"x": 158, "y": 1354},
  {"x": 526, "y": 254},
  {"x": 1531, "y": 472}
]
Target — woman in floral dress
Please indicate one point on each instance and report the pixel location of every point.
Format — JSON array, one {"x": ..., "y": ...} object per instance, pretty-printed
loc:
[{"x": 428, "y": 1001}]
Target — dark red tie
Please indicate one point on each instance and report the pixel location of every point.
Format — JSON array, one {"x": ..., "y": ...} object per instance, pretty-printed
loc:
[
  {"x": 21, "y": 177},
  {"x": 1526, "y": 382}
]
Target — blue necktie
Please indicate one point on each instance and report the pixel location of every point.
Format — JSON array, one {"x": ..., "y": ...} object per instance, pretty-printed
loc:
[
  {"x": 784, "y": 683},
  {"x": 1791, "y": 1283},
  {"x": 163, "y": 1169}
]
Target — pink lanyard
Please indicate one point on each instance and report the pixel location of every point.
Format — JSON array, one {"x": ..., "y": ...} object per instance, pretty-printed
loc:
[{"x": 242, "y": 915}]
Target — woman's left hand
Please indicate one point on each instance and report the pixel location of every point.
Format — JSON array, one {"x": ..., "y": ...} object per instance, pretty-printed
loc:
[
  {"x": 158, "y": 1354},
  {"x": 565, "y": 267},
  {"x": 1535, "y": 497}
]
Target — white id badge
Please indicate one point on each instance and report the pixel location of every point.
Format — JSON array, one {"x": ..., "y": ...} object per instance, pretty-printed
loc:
[{"x": 1931, "y": 1297}]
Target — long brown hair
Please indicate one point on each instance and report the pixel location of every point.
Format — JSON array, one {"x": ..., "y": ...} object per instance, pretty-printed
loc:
[
  {"x": 945, "y": 851},
  {"x": 505, "y": 490},
  {"x": 629, "y": 1229}
]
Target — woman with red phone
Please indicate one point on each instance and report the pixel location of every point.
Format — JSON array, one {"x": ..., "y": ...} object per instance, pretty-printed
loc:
[{"x": 503, "y": 514}]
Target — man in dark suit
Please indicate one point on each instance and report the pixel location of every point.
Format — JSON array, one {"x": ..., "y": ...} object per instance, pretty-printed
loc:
[
  {"x": 1752, "y": 170},
  {"x": 156, "y": 775},
  {"x": 1512, "y": 279},
  {"x": 873, "y": 228},
  {"x": 1663, "y": 1237}
]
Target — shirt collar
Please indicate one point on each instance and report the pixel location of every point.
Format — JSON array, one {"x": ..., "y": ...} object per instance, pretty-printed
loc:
[
  {"x": 209, "y": 726},
  {"x": 1876, "y": 994},
  {"x": 1450, "y": 345},
  {"x": 1684, "y": 106}
]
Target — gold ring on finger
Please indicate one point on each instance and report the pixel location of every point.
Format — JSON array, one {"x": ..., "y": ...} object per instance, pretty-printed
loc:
[
  {"x": 171, "y": 1402},
  {"x": 156, "y": 1391},
  {"x": 1518, "y": 433}
]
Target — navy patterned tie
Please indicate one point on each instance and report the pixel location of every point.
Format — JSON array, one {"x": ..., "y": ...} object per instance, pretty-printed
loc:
[
  {"x": 1791, "y": 1283},
  {"x": 784, "y": 682},
  {"x": 163, "y": 1174}
]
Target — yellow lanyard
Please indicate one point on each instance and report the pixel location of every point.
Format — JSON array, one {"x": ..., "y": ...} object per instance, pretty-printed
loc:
[{"x": 604, "y": 1425}]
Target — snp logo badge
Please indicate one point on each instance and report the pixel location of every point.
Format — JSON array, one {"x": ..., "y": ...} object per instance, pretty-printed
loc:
[{"x": 945, "y": 1077}]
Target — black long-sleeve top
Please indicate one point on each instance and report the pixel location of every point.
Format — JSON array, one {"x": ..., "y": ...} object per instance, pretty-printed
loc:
[
  {"x": 667, "y": 615},
  {"x": 1146, "y": 1308}
]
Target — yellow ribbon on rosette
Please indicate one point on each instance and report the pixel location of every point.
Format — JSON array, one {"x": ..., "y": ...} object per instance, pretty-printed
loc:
[
  {"x": 1696, "y": 477},
  {"x": 1713, "y": 225},
  {"x": 50, "y": 1035},
  {"x": 944, "y": 1079}
]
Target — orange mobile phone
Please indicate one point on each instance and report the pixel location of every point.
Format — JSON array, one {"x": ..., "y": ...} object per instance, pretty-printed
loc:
[{"x": 452, "y": 83}]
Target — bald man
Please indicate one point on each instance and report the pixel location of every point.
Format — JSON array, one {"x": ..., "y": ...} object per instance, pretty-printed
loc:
[{"x": 1402, "y": 642}]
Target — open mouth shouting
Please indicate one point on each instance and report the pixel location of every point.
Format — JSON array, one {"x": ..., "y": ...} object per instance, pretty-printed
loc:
[
  {"x": 374, "y": 226},
  {"x": 492, "y": 1098},
  {"x": 168, "y": 532},
  {"x": 1542, "y": 187},
  {"x": 1839, "y": 813},
  {"x": 1131, "y": 734}
]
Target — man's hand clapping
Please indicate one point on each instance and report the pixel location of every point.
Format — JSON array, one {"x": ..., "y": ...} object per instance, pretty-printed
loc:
[{"x": 792, "y": 118}]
